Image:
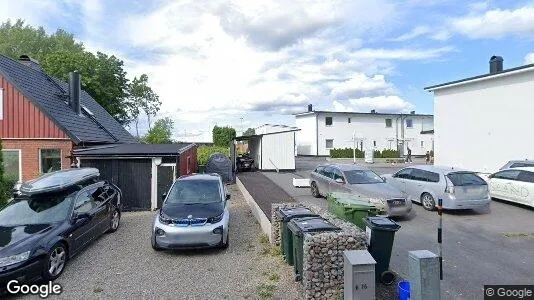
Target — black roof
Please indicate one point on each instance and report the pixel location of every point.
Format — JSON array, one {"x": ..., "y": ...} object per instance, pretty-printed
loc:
[
  {"x": 430, "y": 88},
  {"x": 132, "y": 150},
  {"x": 50, "y": 95},
  {"x": 431, "y": 131}
]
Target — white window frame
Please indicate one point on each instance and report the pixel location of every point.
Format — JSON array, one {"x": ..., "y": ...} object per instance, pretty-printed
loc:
[
  {"x": 1, "y": 103},
  {"x": 326, "y": 144},
  {"x": 41, "y": 162},
  {"x": 20, "y": 161}
]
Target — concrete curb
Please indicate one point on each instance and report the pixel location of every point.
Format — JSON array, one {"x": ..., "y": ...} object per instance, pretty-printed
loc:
[{"x": 265, "y": 224}]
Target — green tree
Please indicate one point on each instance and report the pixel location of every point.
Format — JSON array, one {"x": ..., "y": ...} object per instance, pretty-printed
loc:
[
  {"x": 161, "y": 133},
  {"x": 103, "y": 76},
  {"x": 142, "y": 98},
  {"x": 249, "y": 131},
  {"x": 223, "y": 135}
]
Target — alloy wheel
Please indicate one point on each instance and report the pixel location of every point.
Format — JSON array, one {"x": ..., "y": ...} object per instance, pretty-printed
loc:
[
  {"x": 115, "y": 219},
  {"x": 57, "y": 261},
  {"x": 428, "y": 202}
]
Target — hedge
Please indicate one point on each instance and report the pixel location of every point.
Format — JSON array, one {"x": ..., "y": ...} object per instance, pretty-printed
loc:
[
  {"x": 348, "y": 153},
  {"x": 204, "y": 153}
]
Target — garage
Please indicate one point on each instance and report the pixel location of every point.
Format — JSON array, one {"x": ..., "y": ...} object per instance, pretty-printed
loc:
[
  {"x": 274, "y": 151},
  {"x": 143, "y": 171}
]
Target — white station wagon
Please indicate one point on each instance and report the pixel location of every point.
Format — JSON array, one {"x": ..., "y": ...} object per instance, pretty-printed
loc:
[{"x": 514, "y": 185}]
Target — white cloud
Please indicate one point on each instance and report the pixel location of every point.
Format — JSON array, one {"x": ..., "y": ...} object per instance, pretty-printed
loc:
[
  {"x": 497, "y": 23},
  {"x": 529, "y": 58},
  {"x": 30, "y": 11},
  {"x": 383, "y": 104},
  {"x": 360, "y": 84},
  {"x": 402, "y": 54},
  {"x": 414, "y": 33}
]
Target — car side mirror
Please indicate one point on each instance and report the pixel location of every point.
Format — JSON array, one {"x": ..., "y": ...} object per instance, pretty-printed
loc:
[
  {"x": 163, "y": 196},
  {"x": 339, "y": 180},
  {"x": 227, "y": 197}
]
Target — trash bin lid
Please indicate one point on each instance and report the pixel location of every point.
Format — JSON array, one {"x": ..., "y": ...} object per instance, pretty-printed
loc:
[
  {"x": 382, "y": 223},
  {"x": 289, "y": 213},
  {"x": 351, "y": 200},
  {"x": 310, "y": 225}
]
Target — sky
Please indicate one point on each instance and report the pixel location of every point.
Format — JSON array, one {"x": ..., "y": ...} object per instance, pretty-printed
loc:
[{"x": 244, "y": 63}]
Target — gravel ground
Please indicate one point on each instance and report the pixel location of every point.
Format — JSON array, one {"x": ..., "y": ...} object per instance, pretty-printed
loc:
[{"x": 124, "y": 266}]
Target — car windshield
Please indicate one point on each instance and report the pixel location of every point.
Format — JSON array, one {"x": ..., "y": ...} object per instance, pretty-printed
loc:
[
  {"x": 36, "y": 210},
  {"x": 194, "y": 191},
  {"x": 465, "y": 178},
  {"x": 362, "y": 177}
]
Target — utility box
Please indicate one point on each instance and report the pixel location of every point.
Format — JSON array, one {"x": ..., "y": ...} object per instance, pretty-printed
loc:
[
  {"x": 359, "y": 275},
  {"x": 423, "y": 271}
]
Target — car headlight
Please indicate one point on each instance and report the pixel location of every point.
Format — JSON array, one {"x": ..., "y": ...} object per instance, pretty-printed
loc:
[
  {"x": 216, "y": 219},
  {"x": 13, "y": 259},
  {"x": 379, "y": 201},
  {"x": 164, "y": 220}
]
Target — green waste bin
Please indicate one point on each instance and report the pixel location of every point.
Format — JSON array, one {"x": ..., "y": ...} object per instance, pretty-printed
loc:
[
  {"x": 286, "y": 214},
  {"x": 380, "y": 233},
  {"x": 299, "y": 227},
  {"x": 351, "y": 208}
]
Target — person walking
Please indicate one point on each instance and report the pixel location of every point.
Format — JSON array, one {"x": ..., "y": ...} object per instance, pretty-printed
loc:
[
  {"x": 409, "y": 158},
  {"x": 427, "y": 157}
]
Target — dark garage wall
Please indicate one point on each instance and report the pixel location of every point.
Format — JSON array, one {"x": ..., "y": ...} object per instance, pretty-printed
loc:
[{"x": 132, "y": 176}]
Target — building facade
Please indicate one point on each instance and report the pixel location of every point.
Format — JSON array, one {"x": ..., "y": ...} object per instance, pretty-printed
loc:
[
  {"x": 321, "y": 131},
  {"x": 484, "y": 121},
  {"x": 42, "y": 119}
]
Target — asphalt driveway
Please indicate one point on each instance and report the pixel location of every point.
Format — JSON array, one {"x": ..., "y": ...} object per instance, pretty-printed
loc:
[
  {"x": 124, "y": 266},
  {"x": 478, "y": 247}
]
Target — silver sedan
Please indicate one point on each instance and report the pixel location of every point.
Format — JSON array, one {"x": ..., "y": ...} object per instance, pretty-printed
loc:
[{"x": 361, "y": 181}]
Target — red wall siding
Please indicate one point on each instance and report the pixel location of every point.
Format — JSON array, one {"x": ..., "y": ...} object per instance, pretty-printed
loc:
[
  {"x": 183, "y": 168},
  {"x": 22, "y": 119}
]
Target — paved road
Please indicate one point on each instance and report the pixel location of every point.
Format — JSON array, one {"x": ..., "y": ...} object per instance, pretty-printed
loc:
[{"x": 478, "y": 248}]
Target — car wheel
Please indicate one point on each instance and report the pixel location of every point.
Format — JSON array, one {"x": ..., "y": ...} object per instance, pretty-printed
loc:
[
  {"x": 428, "y": 202},
  {"x": 315, "y": 190},
  {"x": 115, "y": 221},
  {"x": 55, "y": 262},
  {"x": 154, "y": 243}
]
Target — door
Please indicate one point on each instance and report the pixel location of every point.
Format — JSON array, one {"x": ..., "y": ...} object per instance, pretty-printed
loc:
[
  {"x": 85, "y": 229},
  {"x": 165, "y": 180},
  {"x": 399, "y": 178},
  {"x": 323, "y": 180},
  {"x": 526, "y": 187},
  {"x": 416, "y": 185},
  {"x": 335, "y": 186},
  {"x": 500, "y": 185}
]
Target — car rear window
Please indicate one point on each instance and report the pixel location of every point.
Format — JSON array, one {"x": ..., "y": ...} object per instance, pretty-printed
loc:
[
  {"x": 465, "y": 178},
  {"x": 519, "y": 165}
]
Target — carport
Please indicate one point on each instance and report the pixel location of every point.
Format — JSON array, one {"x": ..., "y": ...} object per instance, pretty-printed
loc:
[
  {"x": 273, "y": 151},
  {"x": 142, "y": 171}
]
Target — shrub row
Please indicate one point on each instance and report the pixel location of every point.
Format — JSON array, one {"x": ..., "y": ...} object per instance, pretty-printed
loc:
[
  {"x": 348, "y": 153},
  {"x": 204, "y": 153}
]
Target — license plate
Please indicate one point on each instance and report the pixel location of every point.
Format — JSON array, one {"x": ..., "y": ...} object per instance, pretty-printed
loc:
[{"x": 396, "y": 203}]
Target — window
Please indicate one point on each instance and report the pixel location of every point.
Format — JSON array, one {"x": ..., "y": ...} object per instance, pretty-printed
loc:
[
  {"x": 405, "y": 173},
  {"x": 328, "y": 121},
  {"x": 509, "y": 175},
  {"x": 337, "y": 174},
  {"x": 12, "y": 164},
  {"x": 195, "y": 191},
  {"x": 422, "y": 175},
  {"x": 374, "y": 143},
  {"x": 50, "y": 160},
  {"x": 518, "y": 165},
  {"x": 363, "y": 177},
  {"x": 465, "y": 178},
  {"x": 1, "y": 104},
  {"x": 329, "y": 144},
  {"x": 348, "y": 120},
  {"x": 526, "y": 176},
  {"x": 409, "y": 123},
  {"x": 328, "y": 172},
  {"x": 319, "y": 169},
  {"x": 84, "y": 203},
  {"x": 422, "y": 144},
  {"x": 388, "y": 123}
]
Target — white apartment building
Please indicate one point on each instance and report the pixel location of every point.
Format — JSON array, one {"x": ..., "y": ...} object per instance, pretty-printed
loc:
[
  {"x": 484, "y": 121},
  {"x": 321, "y": 131}
]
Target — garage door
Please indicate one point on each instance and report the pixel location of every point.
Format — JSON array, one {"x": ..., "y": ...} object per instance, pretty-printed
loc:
[{"x": 132, "y": 176}]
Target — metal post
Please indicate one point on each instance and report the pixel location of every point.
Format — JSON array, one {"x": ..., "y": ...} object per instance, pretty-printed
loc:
[
  {"x": 423, "y": 269},
  {"x": 440, "y": 226},
  {"x": 354, "y": 146}
]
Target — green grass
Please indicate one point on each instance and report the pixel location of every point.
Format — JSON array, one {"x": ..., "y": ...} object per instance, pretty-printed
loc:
[
  {"x": 274, "y": 277},
  {"x": 264, "y": 239},
  {"x": 265, "y": 291}
]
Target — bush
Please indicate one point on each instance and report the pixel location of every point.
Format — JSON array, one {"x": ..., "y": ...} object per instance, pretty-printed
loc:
[
  {"x": 204, "y": 153},
  {"x": 6, "y": 189},
  {"x": 348, "y": 153}
]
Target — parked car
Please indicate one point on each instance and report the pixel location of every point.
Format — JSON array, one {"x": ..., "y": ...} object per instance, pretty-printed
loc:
[
  {"x": 361, "y": 181},
  {"x": 194, "y": 214},
  {"x": 514, "y": 185},
  {"x": 51, "y": 219},
  {"x": 459, "y": 189},
  {"x": 517, "y": 164}
]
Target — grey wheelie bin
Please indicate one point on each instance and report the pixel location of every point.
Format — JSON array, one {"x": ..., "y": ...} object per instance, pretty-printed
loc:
[
  {"x": 286, "y": 215},
  {"x": 299, "y": 227},
  {"x": 380, "y": 232}
]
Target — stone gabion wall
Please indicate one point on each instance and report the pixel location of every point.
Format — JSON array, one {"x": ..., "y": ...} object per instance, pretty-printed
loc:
[
  {"x": 323, "y": 253},
  {"x": 276, "y": 238}
]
